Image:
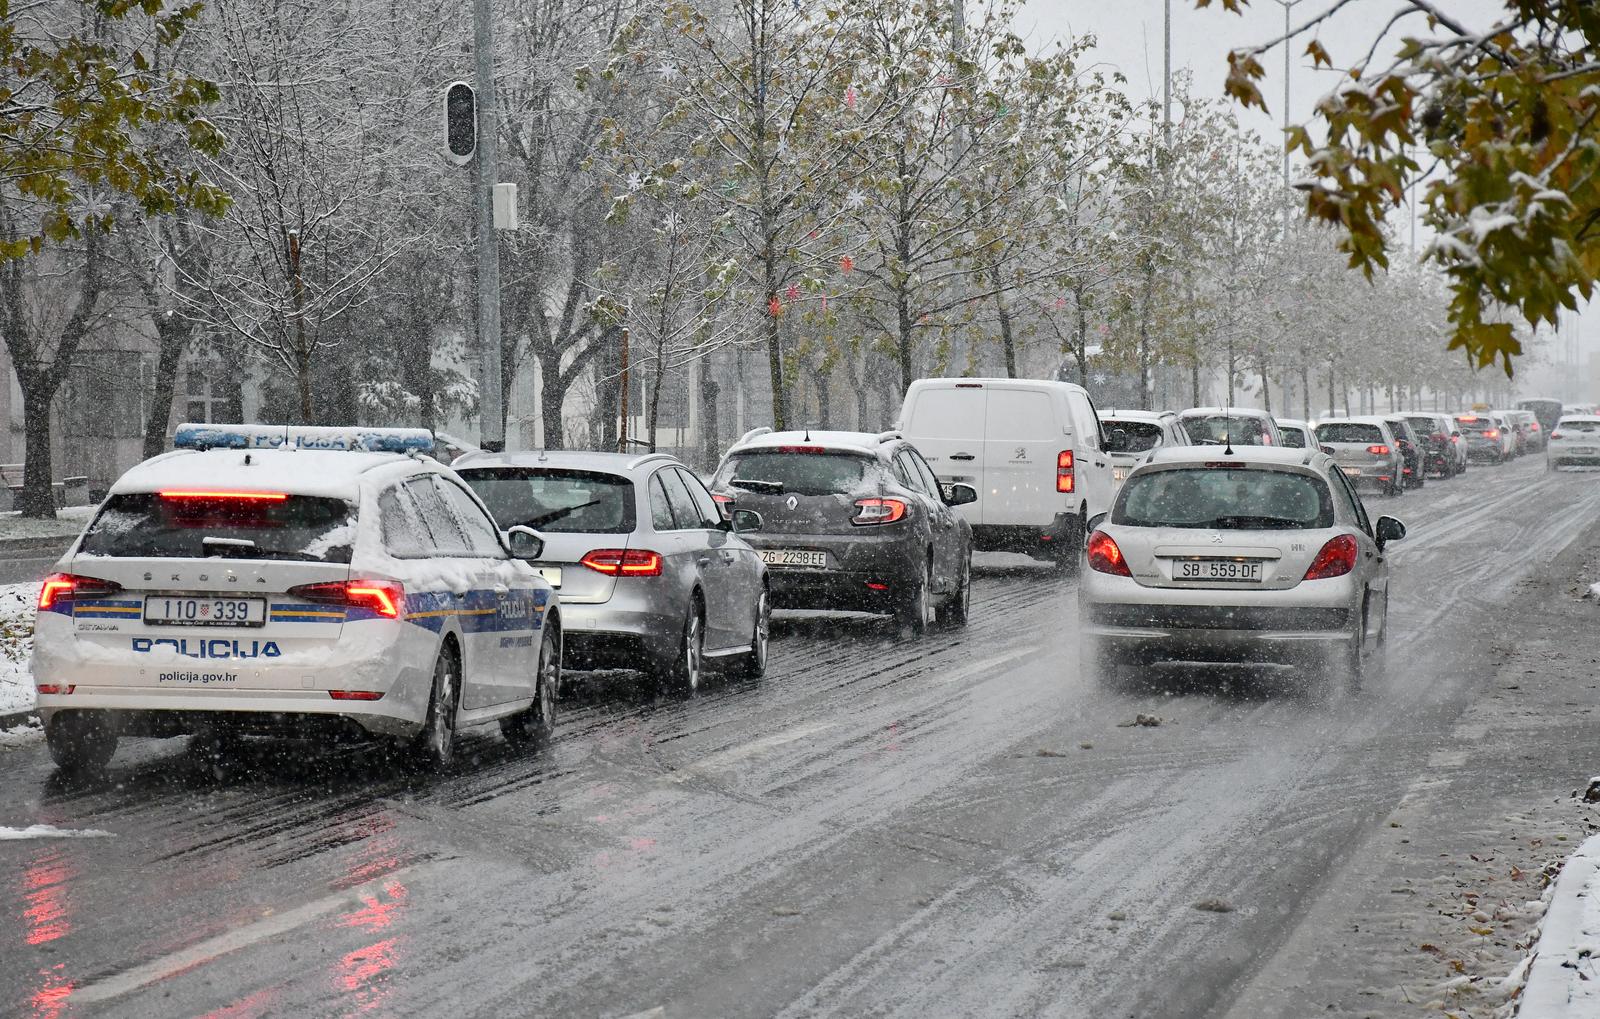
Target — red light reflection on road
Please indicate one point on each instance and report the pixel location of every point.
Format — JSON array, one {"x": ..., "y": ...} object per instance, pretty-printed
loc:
[
  {"x": 364, "y": 973},
  {"x": 54, "y": 990},
  {"x": 376, "y": 914},
  {"x": 44, "y": 889}
]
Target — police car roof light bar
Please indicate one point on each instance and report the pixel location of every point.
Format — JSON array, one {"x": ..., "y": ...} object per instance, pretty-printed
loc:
[{"x": 193, "y": 435}]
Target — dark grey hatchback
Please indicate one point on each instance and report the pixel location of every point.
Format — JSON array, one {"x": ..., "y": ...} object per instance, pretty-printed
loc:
[{"x": 852, "y": 521}]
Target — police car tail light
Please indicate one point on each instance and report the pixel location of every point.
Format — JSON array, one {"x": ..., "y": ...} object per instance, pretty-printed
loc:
[
  {"x": 385, "y": 597},
  {"x": 64, "y": 587},
  {"x": 878, "y": 511},
  {"x": 1105, "y": 556},
  {"x": 623, "y": 562},
  {"x": 1065, "y": 481},
  {"x": 1337, "y": 558},
  {"x": 1493, "y": 433}
]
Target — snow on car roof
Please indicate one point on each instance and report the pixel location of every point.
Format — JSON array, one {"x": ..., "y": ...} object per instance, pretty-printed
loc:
[
  {"x": 852, "y": 442},
  {"x": 335, "y": 474},
  {"x": 1136, "y": 415},
  {"x": 576, "y": 459},
  {"x": 1223, "y": 411}
]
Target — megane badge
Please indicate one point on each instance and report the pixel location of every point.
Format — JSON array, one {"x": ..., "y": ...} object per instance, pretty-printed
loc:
[{"x": 791, "y": 502}]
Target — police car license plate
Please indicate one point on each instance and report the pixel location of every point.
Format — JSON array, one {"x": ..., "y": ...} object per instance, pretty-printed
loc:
[
  {"x": 551, "y": 574},
  {"x": 794, "y": 557},
  {"x": 1219, "y": 569},
  {"x": 176, "y": 611}
]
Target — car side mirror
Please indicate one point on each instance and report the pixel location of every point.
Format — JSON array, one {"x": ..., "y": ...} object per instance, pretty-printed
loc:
[
  {"x": 1389, "y": 529},
  {"x": 958, "y": 494},
  {"x": 744, "y": 520},
  {"x": 524, "y": 542}
]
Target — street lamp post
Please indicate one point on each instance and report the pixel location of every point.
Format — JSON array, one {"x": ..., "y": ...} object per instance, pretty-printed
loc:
[
  {"x": 1287, "y": 6},
  {"x": 491, "y": 399}
]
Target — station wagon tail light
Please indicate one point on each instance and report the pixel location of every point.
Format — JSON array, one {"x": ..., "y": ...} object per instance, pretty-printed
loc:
[
  {"x": 1105, "y": 556},
  {"x": 878, "y": 511},
  {"x": 623, "y": 562},
  {"x": 64, "y": 587},
  {"x": 384, "y": 597},
  {"x": 1378, "y": 450},
  {"x": 1337, "y": 558},
  {"x": 1533, "y": 426},
  {"x": 210, "y": 494},
  {"x": 1064, "y": 479}
]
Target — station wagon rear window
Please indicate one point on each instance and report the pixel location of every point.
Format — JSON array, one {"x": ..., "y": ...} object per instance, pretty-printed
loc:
[
  {"x": 1217, "y": 429},
  {"x": 238, "y": 525},
  {"x": 1349, "y": 431},
  {"x": 559, "y": 501},
  {"x": 793, "y": 473},
  {"x": 1224, "y": 498}
]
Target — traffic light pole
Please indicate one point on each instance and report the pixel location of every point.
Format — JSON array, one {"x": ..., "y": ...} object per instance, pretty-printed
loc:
[{"x": 491, "y": 401}]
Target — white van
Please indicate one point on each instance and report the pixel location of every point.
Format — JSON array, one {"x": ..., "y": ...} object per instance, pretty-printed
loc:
[{"x": 1034, "y": 450}]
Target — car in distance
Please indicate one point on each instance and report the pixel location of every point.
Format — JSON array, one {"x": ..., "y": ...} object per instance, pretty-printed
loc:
[
  {"x": 1034, "y": 451},
  {"x": 1366, "y": 450},
  {"x": 1260, "y": 556},
  {"x": 1411, "y": 450},
  {"x": 1485, "y": 436},
  {"x": 652, "y": 575},
  {"x": 1132, "y": 434},
  {"x": 308, "y": 582},
  {"x": 1296, "y": 433},
  {"x": 1442, "y": 452},
  {"x": 852, "y": 521},
  {"x": 1575, "y": 441},
  {"x": 1221, "y": 426},
  {"x": 1546, "y": 411}
]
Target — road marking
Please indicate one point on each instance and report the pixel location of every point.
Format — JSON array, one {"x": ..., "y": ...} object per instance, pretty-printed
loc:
[
  {"x": 724, "y": 758},
  {"x": 130, "y": 980},
  {"x": 653, "y": 1013},
  {"x": 1000, "y": 661},
  {"x": 1447, "y": 759}
]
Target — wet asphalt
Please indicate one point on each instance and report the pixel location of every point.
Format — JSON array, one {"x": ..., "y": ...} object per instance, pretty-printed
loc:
[{"x": 953, "y": 826}]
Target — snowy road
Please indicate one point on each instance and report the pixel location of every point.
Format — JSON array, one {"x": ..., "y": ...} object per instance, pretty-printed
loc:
[{"x": 951, "y": 827}]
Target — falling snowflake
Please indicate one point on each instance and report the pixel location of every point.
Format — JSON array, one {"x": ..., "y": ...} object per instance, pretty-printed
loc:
[
  {"x": 668, "y": 72},
  {"x": 793, "y": 293},
  {"x": 669, "y": 222},
  {"x": 846, "y": 264},
  {"x": 635, "y": 181},
  {"x": 854, "y": 200},
  {"x": 774, "y": 306}
]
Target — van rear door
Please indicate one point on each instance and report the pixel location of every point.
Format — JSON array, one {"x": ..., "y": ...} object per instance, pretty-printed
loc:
[
  {"x": 1026, "y": 431},
  {"x": 946, "y": 424}
]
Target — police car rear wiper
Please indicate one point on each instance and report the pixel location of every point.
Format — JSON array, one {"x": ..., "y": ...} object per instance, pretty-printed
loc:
[
  {"x": 226, "y": 544},
  {"x": 753, "y": 485}
]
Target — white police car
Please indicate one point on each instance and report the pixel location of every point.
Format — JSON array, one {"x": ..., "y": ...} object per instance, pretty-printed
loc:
[{"x": 314, "y": 582}]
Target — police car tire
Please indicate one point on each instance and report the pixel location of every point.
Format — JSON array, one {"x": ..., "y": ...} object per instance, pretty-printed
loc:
[
  {"x": 80, "y": 742},
  {"x": 536, "y": 725},
  {"x": 425, "y": 753}
]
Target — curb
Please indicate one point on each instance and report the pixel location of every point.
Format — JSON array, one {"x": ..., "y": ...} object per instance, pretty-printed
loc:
[
  {"x": 1564, "y": 977},
  {"x": 16, "y": 719}
]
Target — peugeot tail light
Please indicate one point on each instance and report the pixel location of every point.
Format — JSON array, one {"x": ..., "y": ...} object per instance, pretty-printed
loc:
[
  {"x": 1337, "y": 558},
  {"x": 1105, "y": 556}
]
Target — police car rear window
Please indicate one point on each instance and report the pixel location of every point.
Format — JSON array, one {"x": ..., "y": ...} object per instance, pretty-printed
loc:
[
  {"x": 555, "y": 500},
  {"x": 1222, "y": 499},
  {"x": 238, "y": 526}
]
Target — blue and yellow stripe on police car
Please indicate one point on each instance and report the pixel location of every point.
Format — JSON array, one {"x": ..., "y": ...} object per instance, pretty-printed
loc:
[
  {"x": 306, "y": 614},
  {"x": 429, "y": 610},
  {"x": 107, "y": 609}
]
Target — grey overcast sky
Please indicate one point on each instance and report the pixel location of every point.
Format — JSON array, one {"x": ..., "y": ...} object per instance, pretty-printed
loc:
[{"x": 1128, "y": 36}]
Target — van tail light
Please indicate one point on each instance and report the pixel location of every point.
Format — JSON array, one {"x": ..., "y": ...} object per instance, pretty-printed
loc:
[
  {"x": 59, "y": 588},
  {"x": 1379, "y": 450},
  {"x": 623, "y": 562},
  {"x": 385, "y": 598},
  {"x": 1337, "y": 558},
  {"x": 878, "y": 511},
  {"x": 56, "y": 688},
  {"x": 1105, "y": 556},
  {"x": 1065, "y": 481}
]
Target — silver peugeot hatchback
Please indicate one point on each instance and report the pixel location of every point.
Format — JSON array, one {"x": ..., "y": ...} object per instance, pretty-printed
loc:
[
  {"x": 1245, "y": 555},
  {"x": 656, "y": 577}
]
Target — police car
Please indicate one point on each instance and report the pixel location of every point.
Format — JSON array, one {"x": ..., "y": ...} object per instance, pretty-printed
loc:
[{"x": 321, "y": 583}]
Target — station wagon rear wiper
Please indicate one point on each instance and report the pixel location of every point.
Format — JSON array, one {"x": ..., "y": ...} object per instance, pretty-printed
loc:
[
  {"x": 753, "y": 485},
  {"x": 554, "y": 515}
]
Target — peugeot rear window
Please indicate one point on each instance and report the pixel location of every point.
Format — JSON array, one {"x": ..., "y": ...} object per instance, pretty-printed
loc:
[
  {"x": 1217, "y": 429},
  {"x": 793, "y": 473},
  {"x": 1224, "y": 498},
  {"x": 1349, "y": 431},
  {"x": 1132, "y": 436},
  {"x": 241, "y": 526},
  {"x": 555, "y": 500}
]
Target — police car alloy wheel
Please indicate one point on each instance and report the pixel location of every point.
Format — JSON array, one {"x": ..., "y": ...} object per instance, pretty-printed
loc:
[
  {"x": 435, "y": 745},
  {"x": 80, "y": 741},
  {"x": 537, "y": 724}
]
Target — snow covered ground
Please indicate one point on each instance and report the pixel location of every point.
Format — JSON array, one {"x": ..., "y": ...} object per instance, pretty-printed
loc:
[
  {"x": 67, "y": 524},
  {"x": 1563, "y": 980},
  {"x": 16, "y": 645}
]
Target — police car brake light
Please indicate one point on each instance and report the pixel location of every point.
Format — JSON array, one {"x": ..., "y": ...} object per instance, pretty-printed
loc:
[
  {"x": 207, "y": 494},
  {"x": 63, "y": 587},
  {"x": 192, "y": 435},
  {"x": 385, "y": 597}
]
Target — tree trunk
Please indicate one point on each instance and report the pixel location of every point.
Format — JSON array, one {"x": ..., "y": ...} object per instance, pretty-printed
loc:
[
  {"x": 173, "y": 333},
  {"x": 654, "y": 413},
  {"x": 553, "y": 394},
  {"x": 1007, "y": 341},
  {"x": 903, "y": 341},
  {"x": 1083, "y": 340},
  {"x": 37, "y": 498},
  {"x": 1305, "y": 392},
  {"x": 710, "y": 440}
]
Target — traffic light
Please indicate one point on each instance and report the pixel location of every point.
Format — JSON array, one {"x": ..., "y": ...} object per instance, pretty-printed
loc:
[{"x": 460, "y": 122}]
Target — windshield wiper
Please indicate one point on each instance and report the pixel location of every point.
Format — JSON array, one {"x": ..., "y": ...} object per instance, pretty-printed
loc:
[
  {"x": 1249, "y": 522},
  {"x": 554, "y": 515},
  {"x": 753, "y": 485}
]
